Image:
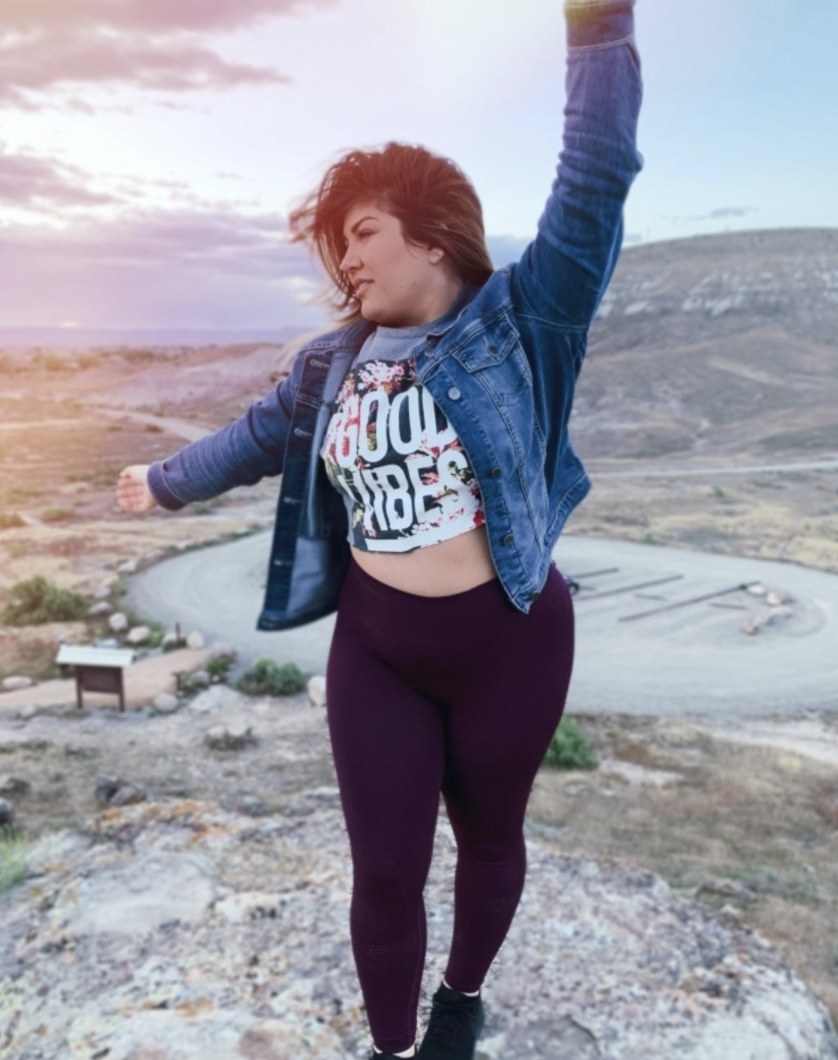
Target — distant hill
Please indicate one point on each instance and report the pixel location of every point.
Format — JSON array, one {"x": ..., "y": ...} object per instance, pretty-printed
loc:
[
  {"x": 134, "y": 338},
  {"x": 715, "y": 345}
]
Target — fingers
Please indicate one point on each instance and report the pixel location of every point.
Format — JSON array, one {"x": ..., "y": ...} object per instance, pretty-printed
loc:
[{"x": 132, "y": 492}]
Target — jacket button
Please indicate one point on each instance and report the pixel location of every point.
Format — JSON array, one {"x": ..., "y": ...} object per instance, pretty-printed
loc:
[
  {"x": 496, "y": 472},
  {"x": 454, "y": 393},
  {"x": 507, "y": 539}
]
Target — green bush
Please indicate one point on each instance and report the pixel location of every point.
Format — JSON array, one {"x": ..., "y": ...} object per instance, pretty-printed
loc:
[
  {"x": 219, "y": 666},
  {"x": 36, "y": 600},
  {"x": 569, "y": 748},
  {"x": 9, "y": 520},
  {"x": 12, "y": 857},
  {"x": 268, "y": 679}
]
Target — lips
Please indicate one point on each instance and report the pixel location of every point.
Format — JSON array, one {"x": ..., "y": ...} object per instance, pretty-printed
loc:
[{"x": 361, "y": 286}]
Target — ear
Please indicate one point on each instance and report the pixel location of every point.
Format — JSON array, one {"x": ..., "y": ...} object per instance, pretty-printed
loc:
[{"x": 435, "y": 255}]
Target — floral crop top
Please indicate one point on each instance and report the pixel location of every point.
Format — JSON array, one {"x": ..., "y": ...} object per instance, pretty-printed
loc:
[{"x": 390, "y": 450}]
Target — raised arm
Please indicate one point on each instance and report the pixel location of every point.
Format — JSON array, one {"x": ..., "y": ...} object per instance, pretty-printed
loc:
[{"x": 564, "y": 272}]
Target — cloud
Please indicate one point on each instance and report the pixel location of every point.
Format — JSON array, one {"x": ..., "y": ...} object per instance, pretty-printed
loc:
[
  {"x": 184, "y": 267},
  {"x": 719, "y": 214},
  {"x": 47, "y": 46},
  {"x": 44, "y": 63},
  {"x": 36, "y": 183},
  {"x": 144, "y": 16}
]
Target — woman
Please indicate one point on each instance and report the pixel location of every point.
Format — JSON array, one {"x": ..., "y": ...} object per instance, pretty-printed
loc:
[{"x": 427, "y": 474}]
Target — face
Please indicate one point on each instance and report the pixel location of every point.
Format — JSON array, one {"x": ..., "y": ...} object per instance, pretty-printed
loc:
[{"x": 397, "y": 284}]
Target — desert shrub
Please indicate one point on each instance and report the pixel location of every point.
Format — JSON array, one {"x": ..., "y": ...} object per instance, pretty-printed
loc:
[
  {"x": 9, "y": 520},
  {"x": 266, "y": 678},
  {"x": 219, "y": 666},
  {"x": 53, "y": 362},
  {"x": 55, "y": 515},
  {"x": 156, "y": 635},
  {"x": 569, "y": 748},
  {"x": 35, "y": 600},
  {"x": 12, "y": 857}
]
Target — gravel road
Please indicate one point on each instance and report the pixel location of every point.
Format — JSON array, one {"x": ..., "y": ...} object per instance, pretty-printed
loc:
[{"x": 691, "y": 659}]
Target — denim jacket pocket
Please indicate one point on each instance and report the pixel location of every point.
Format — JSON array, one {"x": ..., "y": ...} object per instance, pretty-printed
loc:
[{"x": 495, "y": 358}]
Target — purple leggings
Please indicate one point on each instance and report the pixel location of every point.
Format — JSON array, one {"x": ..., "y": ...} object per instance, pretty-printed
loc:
[{"x": 460, "y": 695}]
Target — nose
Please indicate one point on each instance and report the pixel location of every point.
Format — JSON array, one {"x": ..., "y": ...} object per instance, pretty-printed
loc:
[{"x": 349, "y": 261}]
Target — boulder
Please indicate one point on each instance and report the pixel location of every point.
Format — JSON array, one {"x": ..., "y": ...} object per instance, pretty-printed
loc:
[
  {"x": 138, "y": 635},
  {"x": 232, "y": 738},
  {"x": 12, "y": 684},
  {"x": 317, "y": 691},
  {"x": 12, "y": 785},
  {"x": 166, "y": 703},
  {"x": 118, "y": 622}
]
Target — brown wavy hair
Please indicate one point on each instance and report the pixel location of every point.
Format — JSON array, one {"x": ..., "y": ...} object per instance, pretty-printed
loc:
[{"x": 430, "y": 195}]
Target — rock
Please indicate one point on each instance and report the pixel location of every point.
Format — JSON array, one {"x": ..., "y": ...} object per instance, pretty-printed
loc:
[
  {"x": 774, "y": 599},
  {"x": 234, "y": 738},
  {"x": 222, "y": 650},
  {"x": 166, "y": 703},
  {"x": 31, "y": 710},
  {"x": 7, "y": 813},
  {"x": 101, "y": 592},
  {"x": 114, "y": 791},
  {"x": 12, "y": 684},
  {"x": 195, "y": 640},
  {"x": 172, "y": 638},
  {"x": 118, "y": 622},
  {"x": 200, "y": 679},
  {"x": 757, "y": 589},
  {"x": 102, "y": 608},
  {"x": 251, "y": 805},
  {"x": 250, "y": 905},
  {"x": 126, "y": 795},
  {"x": 317, "y": 691},
  {"x": 128, "y": 567},
  {"x": 11, "y": 785},
  {"x": 138, "y": 635}
]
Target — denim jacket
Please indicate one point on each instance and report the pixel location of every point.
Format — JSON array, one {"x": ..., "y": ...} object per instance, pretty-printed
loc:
[{"x": 503, "y": 371}]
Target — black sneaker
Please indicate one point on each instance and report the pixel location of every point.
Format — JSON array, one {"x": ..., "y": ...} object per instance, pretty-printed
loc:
[{"x": 454, "y": 1027}]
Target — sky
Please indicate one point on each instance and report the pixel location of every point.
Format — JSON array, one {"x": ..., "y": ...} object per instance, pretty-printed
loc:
[{"x": 150, "y": 149}]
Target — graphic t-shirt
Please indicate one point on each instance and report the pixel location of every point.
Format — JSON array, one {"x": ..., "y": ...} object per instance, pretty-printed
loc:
[{"x": 391, "y": 451}]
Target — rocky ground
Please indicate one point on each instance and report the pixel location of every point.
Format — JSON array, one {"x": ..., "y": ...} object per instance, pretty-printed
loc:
[{"x": 208, "y": 919}]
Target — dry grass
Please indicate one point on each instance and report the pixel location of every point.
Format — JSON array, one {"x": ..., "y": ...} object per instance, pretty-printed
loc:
[{"x": 761, "y": 819}]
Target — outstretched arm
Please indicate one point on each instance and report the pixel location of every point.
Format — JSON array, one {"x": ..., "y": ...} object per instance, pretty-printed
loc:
[
  {"x": 239, "y": 454},
  {"x": 564, "y": 272}
]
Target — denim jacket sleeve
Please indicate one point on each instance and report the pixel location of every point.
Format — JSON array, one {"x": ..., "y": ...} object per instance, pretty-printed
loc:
[
  {"x": 564, "y": 272},
  {"x": 239, "y": 454}
]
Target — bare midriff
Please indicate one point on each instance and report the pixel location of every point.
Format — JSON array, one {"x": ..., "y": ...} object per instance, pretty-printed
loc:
[{"x": 449, "y": 567}]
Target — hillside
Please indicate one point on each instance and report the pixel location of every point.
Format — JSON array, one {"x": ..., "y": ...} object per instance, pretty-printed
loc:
[{"x": 722, "y": 345}]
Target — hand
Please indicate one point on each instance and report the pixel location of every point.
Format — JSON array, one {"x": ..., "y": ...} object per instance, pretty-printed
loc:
[{"x": 132, "y": 492}]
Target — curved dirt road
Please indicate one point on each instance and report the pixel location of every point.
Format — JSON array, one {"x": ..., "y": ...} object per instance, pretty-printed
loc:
[{"x": 688, "y": 659}]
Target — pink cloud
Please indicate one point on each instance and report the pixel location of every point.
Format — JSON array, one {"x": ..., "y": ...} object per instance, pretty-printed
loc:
[
  {"x": 45, "y": 62},
  {"x": 145, "y": 16},
  {"x": 186, "y": 267},
  {"x": 47, "y": 45},
  {"x": 34, "y": 182}
]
